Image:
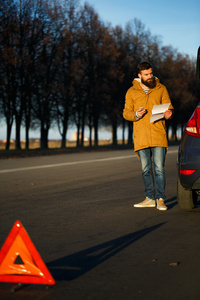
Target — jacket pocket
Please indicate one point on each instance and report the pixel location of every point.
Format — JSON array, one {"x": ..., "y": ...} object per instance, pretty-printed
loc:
[{"x": 160, "y": 127}]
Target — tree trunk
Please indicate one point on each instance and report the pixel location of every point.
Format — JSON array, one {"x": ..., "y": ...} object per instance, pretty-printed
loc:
[
  {"x": 27, "y": 137},
  {"x": 123, "y": 131},
  {"x": 44, "y": 137},
  {"x": 114, "y": 134},
  {"x": 64, "y": 134},
  {"x": 82, "y": 129},
  {"x": 90, "y": 133},
  {"x": 96, "y": 138},
  {"x": 17, "y": 138},
  {"x": 8, "y": 135},
  {"x": 27, "y": 131},
  {"x": 63, "y": 141},
  {"x": 82, "y": 134},
  {"x": 130, "y": 133},
  {"x": 78, "y": 134},
  {"x": 174, "y": 135}
]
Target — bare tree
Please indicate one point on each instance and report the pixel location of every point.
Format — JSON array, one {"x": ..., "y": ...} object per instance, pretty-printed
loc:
[
  {"x": 8, "y": 82},
  {"x": 68, "y": 65}
]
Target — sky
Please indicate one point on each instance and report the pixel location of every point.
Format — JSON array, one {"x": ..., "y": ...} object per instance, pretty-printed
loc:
[{"x": 177, "y": 22}]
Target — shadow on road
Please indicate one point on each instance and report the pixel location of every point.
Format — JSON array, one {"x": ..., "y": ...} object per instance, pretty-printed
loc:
[
  {"x": 75, "y": 265},
  {"x": 171, "y": 202}
]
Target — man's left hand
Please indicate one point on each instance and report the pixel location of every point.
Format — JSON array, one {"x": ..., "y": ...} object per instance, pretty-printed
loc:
[{"x": 168, "y": 114}]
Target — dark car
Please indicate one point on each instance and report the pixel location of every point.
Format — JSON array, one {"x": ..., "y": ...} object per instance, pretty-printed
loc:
[{"x": 188, "y": 160}]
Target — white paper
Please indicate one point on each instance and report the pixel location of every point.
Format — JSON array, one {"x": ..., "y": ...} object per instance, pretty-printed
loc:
[{"x": 158, "y": 111}]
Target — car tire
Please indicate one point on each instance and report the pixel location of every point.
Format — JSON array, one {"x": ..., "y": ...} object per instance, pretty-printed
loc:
[{"x": 187, "y": 199}]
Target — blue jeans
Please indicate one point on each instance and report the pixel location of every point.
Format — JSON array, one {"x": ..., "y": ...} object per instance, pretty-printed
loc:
[{"x": 154, "y": 189}]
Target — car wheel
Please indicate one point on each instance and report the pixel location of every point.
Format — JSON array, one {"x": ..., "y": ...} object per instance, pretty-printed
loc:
[{"x": 187, "y": 199}]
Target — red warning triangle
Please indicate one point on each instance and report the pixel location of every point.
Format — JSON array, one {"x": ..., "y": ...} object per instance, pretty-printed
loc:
[{"x": 31, "y": 268}]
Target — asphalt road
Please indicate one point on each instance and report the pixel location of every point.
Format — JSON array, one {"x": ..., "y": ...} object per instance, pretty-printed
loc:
[{"x": 78, "y": 211}]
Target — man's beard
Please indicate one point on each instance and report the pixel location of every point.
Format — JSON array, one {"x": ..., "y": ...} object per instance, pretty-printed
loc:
[{"x": 150, "y": 83}]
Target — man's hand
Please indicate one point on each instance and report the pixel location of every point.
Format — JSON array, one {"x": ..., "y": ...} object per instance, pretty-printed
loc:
[
  {"x": 141, "y": 111},
  {"x": 168, "y": 114}
]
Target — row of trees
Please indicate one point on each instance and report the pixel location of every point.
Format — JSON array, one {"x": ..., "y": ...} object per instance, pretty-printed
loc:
[{"x": 60, "y": 65}]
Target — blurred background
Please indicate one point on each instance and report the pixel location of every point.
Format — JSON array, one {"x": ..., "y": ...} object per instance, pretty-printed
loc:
[{"x": 65, "y": 67}]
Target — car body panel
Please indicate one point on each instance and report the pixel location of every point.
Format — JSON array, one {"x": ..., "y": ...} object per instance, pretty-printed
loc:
[
  {"x": 188, "y": 163},
  {"x": 188, "y": 159}
]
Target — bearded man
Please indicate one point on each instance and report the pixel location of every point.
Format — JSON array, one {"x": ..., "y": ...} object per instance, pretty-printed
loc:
[{"x": 150, "y": 138}]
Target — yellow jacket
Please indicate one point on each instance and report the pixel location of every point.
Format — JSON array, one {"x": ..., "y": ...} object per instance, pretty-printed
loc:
[{"x": 146, "y": 134}]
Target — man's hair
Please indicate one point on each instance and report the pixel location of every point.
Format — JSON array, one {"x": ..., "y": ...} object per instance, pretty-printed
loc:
[{"x": 145, "y": 65}]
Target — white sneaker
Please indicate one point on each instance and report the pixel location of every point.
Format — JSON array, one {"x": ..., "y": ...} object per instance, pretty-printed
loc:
[
  {"x": 146, "y": 203},
  {"x": 160, "y": 204}
]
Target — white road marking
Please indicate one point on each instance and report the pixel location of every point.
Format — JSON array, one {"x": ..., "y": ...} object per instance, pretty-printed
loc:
[{"x": 73, "y": 163}]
